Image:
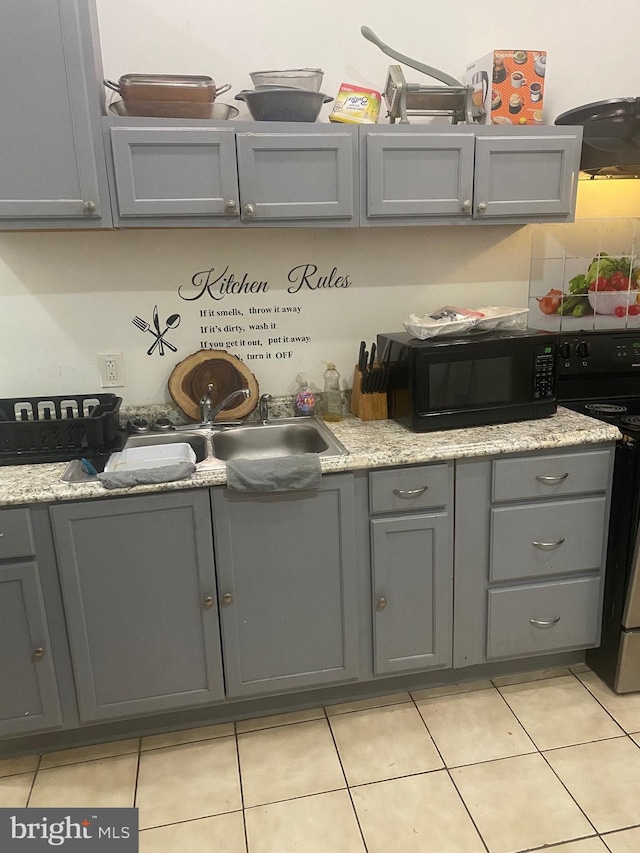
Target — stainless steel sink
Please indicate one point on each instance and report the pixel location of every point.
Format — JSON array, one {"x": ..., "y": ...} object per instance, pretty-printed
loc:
[
  {"x": 197, "y": 440},
  {"x": 283, "y": 437}
]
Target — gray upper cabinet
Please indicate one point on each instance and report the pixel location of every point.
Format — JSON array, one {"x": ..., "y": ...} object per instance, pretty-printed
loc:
[
  {"x": 28, "y": 693},
  {"x": 192, "y": 173},
  {"x": 422, "y": 175},
  {"x": 52, "y": 169},
  {"x": 287, "y": 587},
  {"x": 140, "y": 597}
]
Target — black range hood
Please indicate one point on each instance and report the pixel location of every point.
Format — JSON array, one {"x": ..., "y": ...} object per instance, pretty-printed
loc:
[{"x": 611, "y": 137}]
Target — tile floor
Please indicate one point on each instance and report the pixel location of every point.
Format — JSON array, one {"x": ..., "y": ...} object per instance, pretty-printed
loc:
[{"x": 546, "y": 760}]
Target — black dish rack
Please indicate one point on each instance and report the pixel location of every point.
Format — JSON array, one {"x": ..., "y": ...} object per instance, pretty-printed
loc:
[{"x": 56, "y": 429}]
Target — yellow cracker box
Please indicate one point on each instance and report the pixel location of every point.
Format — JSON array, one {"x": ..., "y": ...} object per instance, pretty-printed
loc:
[{"x": 356, "y": 105}]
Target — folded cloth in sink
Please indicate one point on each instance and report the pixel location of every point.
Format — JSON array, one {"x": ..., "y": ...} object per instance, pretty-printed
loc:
[
  {"x": 139, "y": 476},
  {"x": 279, "y": 474}
]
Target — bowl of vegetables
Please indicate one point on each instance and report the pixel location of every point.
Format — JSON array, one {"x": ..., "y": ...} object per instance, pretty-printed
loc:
[{"x": 610, "y": 284}]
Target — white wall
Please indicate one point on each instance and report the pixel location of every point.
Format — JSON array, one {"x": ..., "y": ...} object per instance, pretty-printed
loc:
[{"x": 67, "y": 296}]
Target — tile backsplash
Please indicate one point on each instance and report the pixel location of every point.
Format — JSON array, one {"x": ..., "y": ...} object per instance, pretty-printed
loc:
[{"x": 561, "y": 252}]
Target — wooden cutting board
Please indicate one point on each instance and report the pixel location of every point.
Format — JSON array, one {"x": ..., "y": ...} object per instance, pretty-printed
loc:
[{"x": 191, "y": 377}]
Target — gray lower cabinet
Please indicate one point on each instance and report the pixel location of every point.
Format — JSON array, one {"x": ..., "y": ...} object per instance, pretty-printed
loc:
[
  {"x": 531, "y": 536},
  {"x": 197, "y": 173},
  {"x": 28, "y": 693},
  {"x": 287, "y": 587},
  {"x": 140, "y": 598},
  {"x": 421, "y": 175},
  {"x": 412, "y": 568},
  {"x": 52, "y": 169}
]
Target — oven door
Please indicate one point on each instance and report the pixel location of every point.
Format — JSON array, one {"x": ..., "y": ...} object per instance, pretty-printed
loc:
[{"x": 473, "y": 379}]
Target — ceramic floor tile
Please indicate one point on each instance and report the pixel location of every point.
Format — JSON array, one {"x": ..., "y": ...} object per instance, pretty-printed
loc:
[
  {"x": 472, "y": 727},
  {"x": 415, "y": 814},
  {"x": 273, "y": 720},
  {"x": 383, "y": 743},
  {"x": 14, "y": 790},
  {"x": 365, "y": 704},
  {"x": 559, "y": 712},
  {"x": 604, "y": 779},
  {"x": 21, "y": 764},
  {"x": 288, "y": 761},
  {"x": 518, "y": 803},
  {"x": 523, "y": 677},
  {"x": 579, "y": 667},
  {"x": 187, "y": 736},
  {"x": 188, "y": 781},
  {"x": 224, "y": 832},
  {"x": 323, "y": 823},
  {"x": 636, "y": 738},
  {"x": 586, "y": 845},
  {"x": 89, "y": 753},
  {"x": 447, "y": 689},
  {"x": 624, "y": 708},
  {"x": 106, "y": 783},
  {"x": 625, "y": 841}
]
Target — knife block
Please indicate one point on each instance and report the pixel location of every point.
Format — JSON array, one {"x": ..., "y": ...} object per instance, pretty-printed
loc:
[{"x": 367, "y": 407}]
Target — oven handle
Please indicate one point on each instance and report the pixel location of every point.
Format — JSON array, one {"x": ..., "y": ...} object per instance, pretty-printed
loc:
[{"x": 551, "y": 481}]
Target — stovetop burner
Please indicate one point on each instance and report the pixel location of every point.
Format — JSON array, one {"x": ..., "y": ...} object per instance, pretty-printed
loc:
[
  {"x": 610, "y": 409},
  {"x": 631, "y": 421}
]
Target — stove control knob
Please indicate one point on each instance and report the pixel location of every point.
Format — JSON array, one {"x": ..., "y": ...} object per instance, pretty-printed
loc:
[
  {"x": 583, "y": 349},
  {"x": 565, "y": 350}
]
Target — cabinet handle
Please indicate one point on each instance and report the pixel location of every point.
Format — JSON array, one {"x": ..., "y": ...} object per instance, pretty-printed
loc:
[
  {"x": 551, "y": 481},
  {"x": 1, "y": 535},
  {"x": 231, "y": 207},
  {"x": 249, "y": 211},
  {"x": 207, "y": 602},
  {"x": 545, "y": 623},
  {"x": 88, "y": 208},
  {"x": 482, "y": 206},
  {"x": 407, "y": 494},
  {"x": 227, "y": 599},
  {"x": 381, "y": 603},
  {"x": 38, "y": 653},
  {"x": 547, "y": 546},
  {"x": 466, "y": 205}
]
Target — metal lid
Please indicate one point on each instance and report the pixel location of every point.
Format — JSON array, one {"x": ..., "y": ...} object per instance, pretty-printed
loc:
[{"x": 165, "y": 80}]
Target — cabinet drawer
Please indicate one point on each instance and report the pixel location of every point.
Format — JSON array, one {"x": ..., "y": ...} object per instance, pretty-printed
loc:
[
  {"x": 530, "y": 620},
  {"x": 403, "y": 489},
  {"x": 549, "y": 476},
  {"x": 16, "y": 535},
  {"x": 547, "y": 538}
]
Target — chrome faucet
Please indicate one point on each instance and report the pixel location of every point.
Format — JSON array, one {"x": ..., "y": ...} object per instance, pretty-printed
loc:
[
  {"x": 209, "y": 411},
  {"x": 263, "y": 408}
]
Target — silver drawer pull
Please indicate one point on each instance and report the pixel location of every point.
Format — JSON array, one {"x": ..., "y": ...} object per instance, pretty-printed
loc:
[
  {"x": 407, "y": 494},
  {"x": 547, "y": 546},
  {"x": 551, "y": 481},
  {"x": 545, "y": 623}
]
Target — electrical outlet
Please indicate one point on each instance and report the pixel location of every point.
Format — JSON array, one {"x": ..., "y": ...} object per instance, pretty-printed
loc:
[{"x": 111, "y": 369}]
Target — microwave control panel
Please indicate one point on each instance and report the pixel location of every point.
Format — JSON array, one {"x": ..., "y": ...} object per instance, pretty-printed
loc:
[{"x": 544, "y": 372}]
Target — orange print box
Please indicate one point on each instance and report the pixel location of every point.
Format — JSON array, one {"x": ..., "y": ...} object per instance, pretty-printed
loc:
[{"x": 509, "y": 85}]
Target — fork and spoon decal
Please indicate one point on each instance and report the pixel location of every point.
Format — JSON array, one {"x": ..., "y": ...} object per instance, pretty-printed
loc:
[{"x": 172, "y": 322}]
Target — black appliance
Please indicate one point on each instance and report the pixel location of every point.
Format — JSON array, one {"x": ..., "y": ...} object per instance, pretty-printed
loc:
[
  {"x": 479, "y": 378},
  {"x": 610, "y": 137},
  {"x": 599, "y": 376}
]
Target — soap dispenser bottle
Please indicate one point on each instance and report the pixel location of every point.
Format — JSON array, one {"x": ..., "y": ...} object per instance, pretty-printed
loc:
[
  {"x": 332, "y": 395},
  {"x": 304, "y": 404}
]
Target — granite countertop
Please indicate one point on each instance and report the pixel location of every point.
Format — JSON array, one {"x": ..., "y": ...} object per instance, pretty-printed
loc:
[{"x": 371, "y": 444}]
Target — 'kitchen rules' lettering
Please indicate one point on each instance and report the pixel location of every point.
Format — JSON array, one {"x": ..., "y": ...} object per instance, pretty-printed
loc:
[{"x": 218, "y": 285}]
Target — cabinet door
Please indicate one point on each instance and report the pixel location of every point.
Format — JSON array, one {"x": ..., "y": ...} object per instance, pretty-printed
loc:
[
  {"x": 416, "y": 175},
  {"x": 175, "y": 171},
  {"x": 295, "y": 175},
  {"x": 287, "y": 584},
  {"x": 139, "y": 593},
  {"x": 28, "y": 694},
  {"x": 412, "y": 592},
  {"x": 529, "y": 175},
  {"x": 52, "y": 168}
]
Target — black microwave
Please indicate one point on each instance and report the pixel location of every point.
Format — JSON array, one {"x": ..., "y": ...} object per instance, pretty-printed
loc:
[{"x": 480, "y": 378}]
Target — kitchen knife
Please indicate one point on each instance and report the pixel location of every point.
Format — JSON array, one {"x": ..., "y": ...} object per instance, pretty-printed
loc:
[
  {"x": 156, "y": 323},
  {"x": 372, "y": 357},
  {"x": 361, "y": 356}
]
